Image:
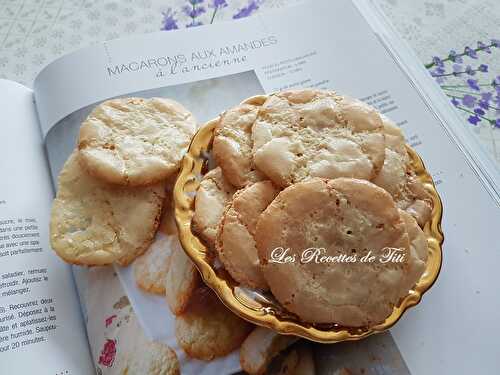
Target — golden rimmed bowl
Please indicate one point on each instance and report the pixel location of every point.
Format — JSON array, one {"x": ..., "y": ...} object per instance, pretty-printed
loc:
[{"x": 259, "y": 307}]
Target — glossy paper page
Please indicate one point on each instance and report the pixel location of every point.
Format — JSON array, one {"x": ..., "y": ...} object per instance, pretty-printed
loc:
[
  {"x": 328, "y": 45},
  {"x": 41, "y": 331}
]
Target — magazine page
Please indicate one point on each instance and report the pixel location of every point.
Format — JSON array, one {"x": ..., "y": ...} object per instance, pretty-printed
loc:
[
  {"x": 210, "y": 69},
  {"x": 40, "y": 320},
  {"x": 479, "y": 159}
]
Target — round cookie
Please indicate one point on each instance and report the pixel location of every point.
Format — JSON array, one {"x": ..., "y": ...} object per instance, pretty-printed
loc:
[
  {"x": 232, "y": 147},
  {"x": 235, "y": 239},
  {"x": 150, "y": 269},
  {"x": 260, "y": 347},
  {"x": 418, "y": 248},
  {"x": 93, "y": 223},
  {"x": 326, "y": 227},
  {"x": 135, "y": 141},
  {"x": 137, "y": 355},
  {"x": 152, "y": 358},
  {"x": 207, "y": 329},
  {"x": 312, "y": 133},
  {"x": 212, "y": 195},
  {"x": 182, "y": 278},
  {"x": 398, "y": 178}
]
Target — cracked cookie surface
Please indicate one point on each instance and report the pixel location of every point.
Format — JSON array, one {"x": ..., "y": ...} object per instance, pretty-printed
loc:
[
  {"x": 344, "y": 218},
  {"x": 211, "y": 198},
  {"x": 398, "y": 178},
  {"x": 311, "y": 133},
  {"x": 150, "y": 269},
  {"x": 233, "y": 145},
  {"x": 208, "y": 329},
  {"x": 93, "y": 223},
  {"x": 235, "y": 239},
  {"x": 135, "y": 141}
]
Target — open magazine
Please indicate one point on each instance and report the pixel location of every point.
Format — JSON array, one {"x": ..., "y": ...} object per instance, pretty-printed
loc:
[{"x": 57, "y": 319}]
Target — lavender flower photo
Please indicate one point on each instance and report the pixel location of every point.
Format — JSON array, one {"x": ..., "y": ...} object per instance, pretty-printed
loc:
[
  {"x": 472, "y": 88},
  {"x": 204, "y": 12}
]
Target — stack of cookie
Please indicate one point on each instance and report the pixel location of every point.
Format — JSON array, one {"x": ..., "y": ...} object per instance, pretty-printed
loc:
[
  {"x": 112, "y": 188},
  {"x": 314, "y": 199},
  {"x": 308, "y": 172},
  {"x": 204, "y": 327},
  {"x": 114, "y": 206}
]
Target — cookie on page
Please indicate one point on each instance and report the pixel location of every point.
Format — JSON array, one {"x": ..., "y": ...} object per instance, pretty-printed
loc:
[
  {"x": 93, "y": 223},
  {"x": 138, "y": 355},
  {"x": 260, "y": 347},
  {"x": 135, "y": 141},
  {"x": 150, "y": 269},
  {"x": 152, "y": 358},
  {"x": 181, "y": 280}
]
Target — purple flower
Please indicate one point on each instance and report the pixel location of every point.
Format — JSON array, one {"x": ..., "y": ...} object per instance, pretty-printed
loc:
[
  {"x": 496, "y": 100},
  {"x": 169, "y": 22},
  {"x": 246, "y": 11},
  {"x": 473, "y": 84},
  {"x": 486, "y": 96},
  {"x": 454, "y": 57},
  {"x": 469, "y": 70},
  {"x": 437, "y": 72},
  {"x": 218, "y": 4},
  {"x": 473, "y": 119},
  {"x": 470, "y": 52},
  {"x": 483, "y": 47},
  {"x": 497, "y": 123},
  {"x": 484, "y": 104},
  {"x": 437, "y": 61},
  {"x": 495, "y": 43},
  {"x": 468, "y": 101},
  {"x": 496, "y": 82},
  {"x": 193, "y": 11},
  {"x": 479, "y": 111},
  {"x": 457, "y": 68},
  {"x": 455, "y": 102},
  {"x": 483, "y": 68}
]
